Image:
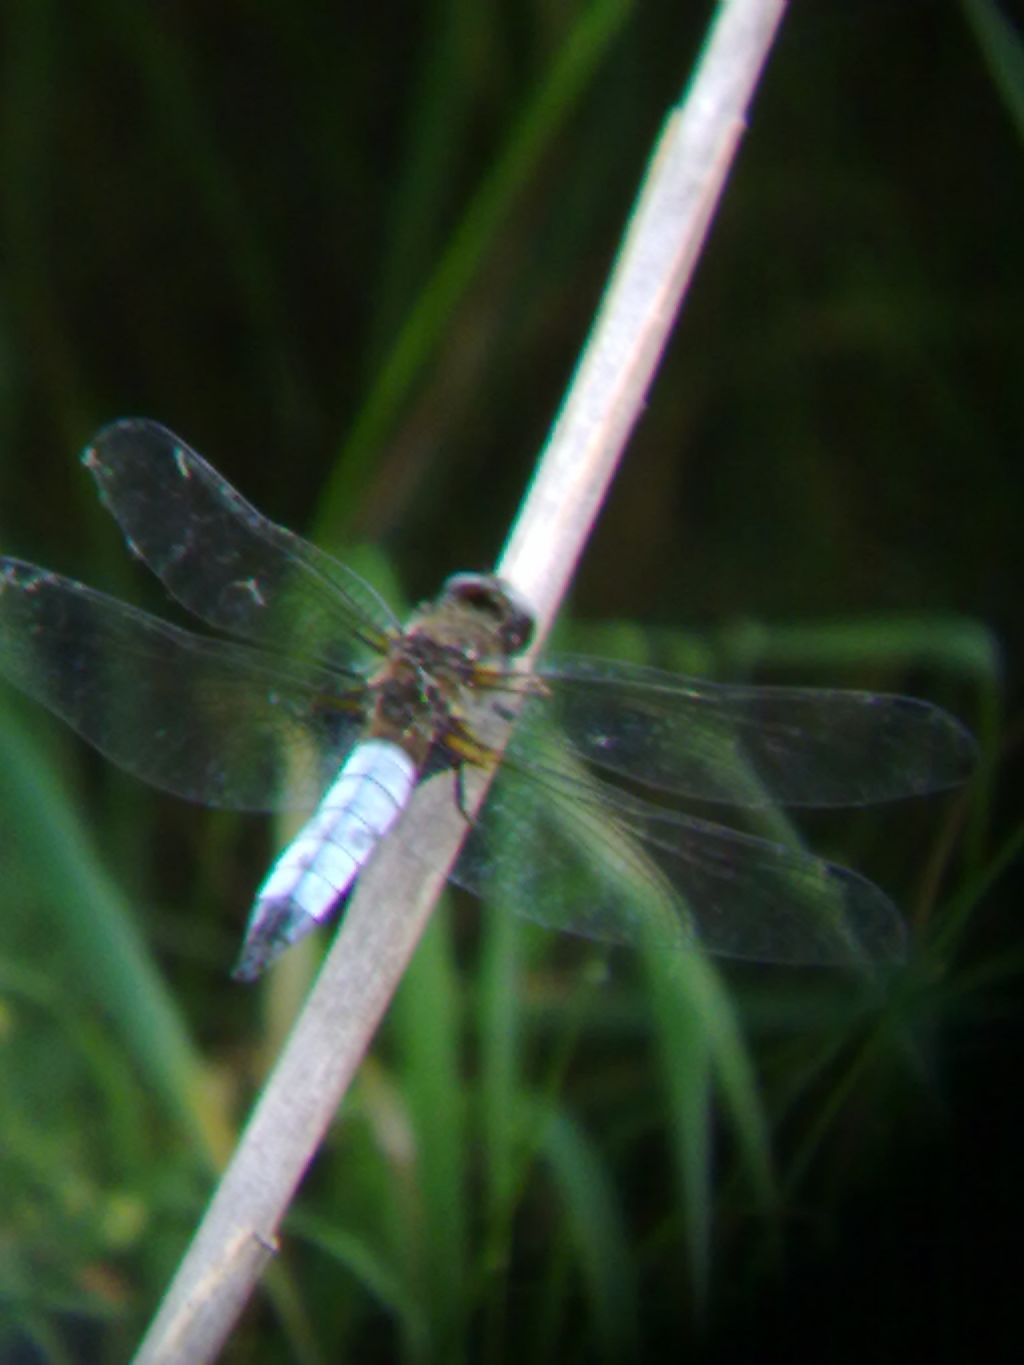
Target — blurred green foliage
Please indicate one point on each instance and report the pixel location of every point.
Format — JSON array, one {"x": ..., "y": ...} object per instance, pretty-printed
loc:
[{"x": 350, "y": 255}]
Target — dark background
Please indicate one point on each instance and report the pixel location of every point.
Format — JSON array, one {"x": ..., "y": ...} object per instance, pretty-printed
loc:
[{"x": 350, "y": 254}]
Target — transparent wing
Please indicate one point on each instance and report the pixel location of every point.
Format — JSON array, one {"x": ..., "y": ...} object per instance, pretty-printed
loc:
[
  {"x": 209, "y": 720},
  {"x": 749, "y": 746},
  {"x": 222, "y": 559},
  {"x": 576, "y": 856}
]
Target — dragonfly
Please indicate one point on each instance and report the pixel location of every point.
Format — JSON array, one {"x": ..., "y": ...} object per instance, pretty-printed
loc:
[{"x": 316, "y": 697}]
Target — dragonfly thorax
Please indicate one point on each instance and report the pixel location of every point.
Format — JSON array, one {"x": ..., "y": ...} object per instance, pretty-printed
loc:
[{"x": 423, "y": 689}]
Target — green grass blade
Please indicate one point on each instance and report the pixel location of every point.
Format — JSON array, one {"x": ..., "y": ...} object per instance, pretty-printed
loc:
[
  {"x": 428, "y": 318},
  {"x": 597, "y": 1227},
  {"x": 425, "y": 1020},
  {"x": 1002, "y": 47},
  {"x": 94, "y": 922},
  {"x": 702, "y": 1053}
]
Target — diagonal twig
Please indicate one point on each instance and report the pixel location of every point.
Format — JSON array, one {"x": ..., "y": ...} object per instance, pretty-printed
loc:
[{"x": 387, "y": 916}]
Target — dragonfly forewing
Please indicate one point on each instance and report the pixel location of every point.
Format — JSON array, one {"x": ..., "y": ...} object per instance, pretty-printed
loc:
[
  {"x": 750, "y": 746},
  {"x": 227, "y": 563}
]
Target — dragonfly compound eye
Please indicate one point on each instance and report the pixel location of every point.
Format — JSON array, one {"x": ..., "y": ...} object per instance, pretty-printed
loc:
[{"x": 497, "y": 600}]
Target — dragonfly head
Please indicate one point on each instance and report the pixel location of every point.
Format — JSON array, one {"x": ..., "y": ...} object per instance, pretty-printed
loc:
[{"x": 496, "y": 603}]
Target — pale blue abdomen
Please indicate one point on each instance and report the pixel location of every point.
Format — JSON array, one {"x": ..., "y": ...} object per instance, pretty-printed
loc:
[{"x": 323, "y": 860}]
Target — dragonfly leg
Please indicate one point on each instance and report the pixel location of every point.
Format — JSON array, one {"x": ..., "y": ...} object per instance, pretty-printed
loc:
[{"x": 460, "y": 794}]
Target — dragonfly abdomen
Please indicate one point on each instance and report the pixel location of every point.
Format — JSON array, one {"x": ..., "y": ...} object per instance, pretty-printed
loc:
[{"x": 323, "y": 860}]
